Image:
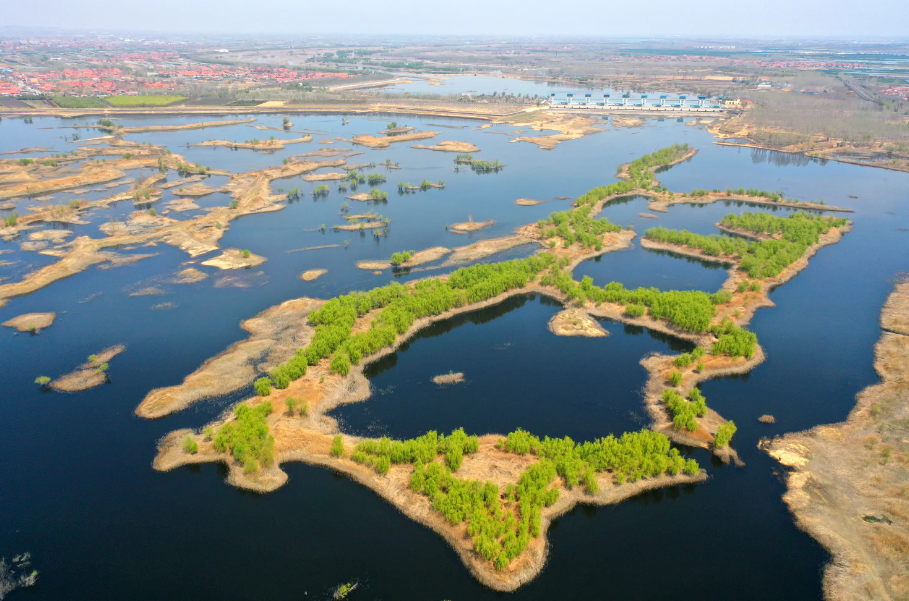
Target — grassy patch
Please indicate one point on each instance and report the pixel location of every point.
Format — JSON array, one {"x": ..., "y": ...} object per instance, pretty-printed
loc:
[
  {"x": 73, "y": 102},
  {"x": 131, "y": 101}
]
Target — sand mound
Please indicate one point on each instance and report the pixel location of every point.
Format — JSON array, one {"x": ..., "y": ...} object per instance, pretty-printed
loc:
[
  {"x": 312, "y": 274},
  {"x": 233, "y": 258},
  {"x": 31, "y": 321},
  {"x": 449, "y": 378},
  {"x": 469, "y": 226},
  {"x": 449, "y": 146},
  {"x": 574, "y": 322}
]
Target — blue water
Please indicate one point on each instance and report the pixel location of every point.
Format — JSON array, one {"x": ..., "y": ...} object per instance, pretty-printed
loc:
[{"x": 76, "y": 481}]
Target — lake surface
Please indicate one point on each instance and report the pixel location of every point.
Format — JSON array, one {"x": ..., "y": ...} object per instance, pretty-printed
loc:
[{"x": 76, "y": 482}]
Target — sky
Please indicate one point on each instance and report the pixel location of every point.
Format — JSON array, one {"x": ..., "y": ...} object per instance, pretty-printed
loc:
[{"x": 619, "y": 18}]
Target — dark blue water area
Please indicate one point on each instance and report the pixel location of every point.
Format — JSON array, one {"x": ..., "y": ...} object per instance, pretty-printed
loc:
[
  {"x": 406, "y": 403},
  {"x": 76, "y": 480}
]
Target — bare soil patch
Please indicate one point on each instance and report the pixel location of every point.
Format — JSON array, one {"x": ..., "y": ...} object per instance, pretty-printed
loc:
[
  {"x": 312, "y": 274},
  {"x": 31, "y": 322},
  {"x": 233, "y": 258},
  {"x": 575, "y": 322},
  {"x": 449, "y": 146},
  {"x": 469, "y": 226}
]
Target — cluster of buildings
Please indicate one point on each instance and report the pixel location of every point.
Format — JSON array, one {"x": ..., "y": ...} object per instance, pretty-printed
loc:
[
  {"x": 897, "y": 92},
  {"x": 146, "y": 75}
]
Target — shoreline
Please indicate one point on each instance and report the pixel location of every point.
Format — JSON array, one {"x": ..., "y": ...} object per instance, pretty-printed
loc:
[{"x": 841, "y": 487}]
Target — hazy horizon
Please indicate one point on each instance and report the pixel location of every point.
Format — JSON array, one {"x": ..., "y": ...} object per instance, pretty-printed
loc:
[{"x": 664, "y": 19}]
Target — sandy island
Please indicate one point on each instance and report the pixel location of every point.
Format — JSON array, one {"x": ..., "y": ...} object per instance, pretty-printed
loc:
[
  {"x": 449, "y": 146},
  {"x": 31, "y": 322},
  {"x": 574, "y": 322},
  {"x": 374, "y": 142},
  {"x": 469, "y": 226},
  {"x": 90, "y": 374},
  {"x": 312, "y": 274},
  {"x": 233, "y": 258}
]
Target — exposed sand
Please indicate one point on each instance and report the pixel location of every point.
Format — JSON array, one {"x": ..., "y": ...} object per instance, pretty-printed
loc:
[
  {"x": 31, "y": 322},
  {"x": 419, "y": 258},
  {"x": 190, "y": 275},
  {"x": 526, "y": 202},
  {"x": 182, "y": 204},
  {"x": 363, "y": 225},
  {"x": 449, "y": 146},
  {"x": 322, "y": 152},
  {"x": 360, "y": 197},
  {"x": 123, "y": 131},
  {"x": 469, "y": 226},
  {"x": 626, "y": 122},
  {"x": 575, "y": 322},
  {"x": 312, "y": 274},
  {"x": 197, "y": 191},
  {"x": 374, "y": 142},
  {"x": 262, "y": 145},
  {"x": 323, "y": 177},
  {"x": 485, "y": 248},
  {"x": 233, "y": 258}
]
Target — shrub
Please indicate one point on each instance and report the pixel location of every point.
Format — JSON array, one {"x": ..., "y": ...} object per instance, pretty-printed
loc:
[
  {"x": 724, "y": 434},
  {"x": 675, "y": 378},
  {"x": 337, "y": 447},
  {"x": 733, "y": 340},
  {"x": 291, "y": 405},
  {"x": 263, "y": 386},
  {"x": 247, "y": 437},
  {"x": 635, "y": 310},
  {"x": 190, "y": 445},
  {"x": 42, "y": 380},
  {"x": 246, "y": 253},
  {"x": 208, "y": 434}
]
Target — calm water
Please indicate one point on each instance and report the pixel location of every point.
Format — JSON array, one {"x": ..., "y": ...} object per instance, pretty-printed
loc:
[{"x": 77, "y": 486}]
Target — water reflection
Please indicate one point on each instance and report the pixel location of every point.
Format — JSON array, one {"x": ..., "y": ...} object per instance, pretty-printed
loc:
[{"x": 783, "y": 159}]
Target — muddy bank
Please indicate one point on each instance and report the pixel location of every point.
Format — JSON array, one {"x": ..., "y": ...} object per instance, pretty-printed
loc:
[
  {"x": 846, "y": 484},
  {"x": 90, "y": 374},
  {"x": 31, "y": 322}
]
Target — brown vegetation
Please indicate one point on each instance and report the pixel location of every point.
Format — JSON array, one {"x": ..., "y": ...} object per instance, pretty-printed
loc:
[
  {"x": 90, "y": 374},
  {"x": 847, "y": 482}
]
